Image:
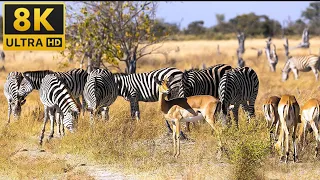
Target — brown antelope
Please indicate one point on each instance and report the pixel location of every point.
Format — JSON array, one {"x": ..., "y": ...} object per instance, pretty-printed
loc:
[
  {"x": 310, "y": 112},
  {"x": 270, "y": 110},
  {"x": 190, "y": 109},
  {"x": 288, "y": 109}
]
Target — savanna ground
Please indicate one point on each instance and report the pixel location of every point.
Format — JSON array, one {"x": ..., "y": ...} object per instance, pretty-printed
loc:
[{"x": 124, "y": 149}]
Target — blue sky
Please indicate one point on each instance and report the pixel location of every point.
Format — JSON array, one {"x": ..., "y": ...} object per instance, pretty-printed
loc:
[{"x": 186, "y": 12}]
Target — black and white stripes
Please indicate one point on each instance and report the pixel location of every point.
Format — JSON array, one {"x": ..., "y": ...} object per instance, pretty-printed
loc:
[
  {"x": 100, "y": 91},
  {"x": 142, "y": 86},
  {"x": 55, "y": 95},
  {"x": 75, "y": 80},
  {"x": 301, "y": 63},
  {"x": 238, "y": 87},
  {"x": 11, "y": 87},
  {"x": 202, "y": 82}
]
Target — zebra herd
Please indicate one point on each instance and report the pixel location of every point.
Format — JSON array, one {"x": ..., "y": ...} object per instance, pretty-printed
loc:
[{"x": 60, "y": 91}]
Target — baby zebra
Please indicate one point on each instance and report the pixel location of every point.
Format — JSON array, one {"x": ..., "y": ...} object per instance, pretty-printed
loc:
[
  {"x": 11, "y": 87},
  {"x": 301, "y": 63},
  {"x": 54, "y": 95},
  {"x": 100, "y": 91}
]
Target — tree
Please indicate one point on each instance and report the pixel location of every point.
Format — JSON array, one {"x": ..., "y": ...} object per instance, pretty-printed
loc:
[
  {"x": 162, "y": 28},
  {"x": 113, "y": 31},
  {"x": 253, "y": 25},
  {"x": 196, "y": 28},
  {"x": 312, "y": 15},
  {"x": 220, "y": 18}
]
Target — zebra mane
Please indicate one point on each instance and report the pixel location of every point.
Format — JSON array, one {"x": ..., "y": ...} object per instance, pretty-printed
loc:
[
  {"x": 64, "y": 83},
  {"x": 39, "y": 71}
]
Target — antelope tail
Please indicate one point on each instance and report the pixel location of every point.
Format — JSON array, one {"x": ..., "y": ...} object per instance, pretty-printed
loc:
[{"x": 268, "y": 109}]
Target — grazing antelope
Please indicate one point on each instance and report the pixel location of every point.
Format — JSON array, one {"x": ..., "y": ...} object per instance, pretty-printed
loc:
[
  {"x": 190, "y": 109},
  {"x": 270, "y": 110},
  {"x": 310, "y": 113},
  {"x": 288, "y": 109}
]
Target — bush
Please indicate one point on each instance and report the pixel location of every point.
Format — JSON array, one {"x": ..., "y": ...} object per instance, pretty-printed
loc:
[{"x": 246, "y": 148}]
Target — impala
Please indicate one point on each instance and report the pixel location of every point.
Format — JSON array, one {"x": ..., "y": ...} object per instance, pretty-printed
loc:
[
  {"x": 288, "y": 109},
  {"x": 270, "y": 110},
  {"x": 310, "y": 115},
  {"x": 190, "y": 109}
]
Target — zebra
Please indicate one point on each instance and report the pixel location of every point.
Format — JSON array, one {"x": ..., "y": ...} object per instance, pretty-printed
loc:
[
  {"x": 201, "y": 82},
  {"x": 238, "y": 87},
  {"x": 142, "y": 86},
  {"x": 11, "y": 87},
  {"x": 301, "y": 63},
  {"x": 55, "y": 96},
  {"x": 100, "y": 91},
  {"x": 75, "y": 80}
]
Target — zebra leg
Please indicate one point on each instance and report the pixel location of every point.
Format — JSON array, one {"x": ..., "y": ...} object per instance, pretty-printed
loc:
[
  {"x": 295, "y": 72},
  {"x": 61, "y": 123},
  {"x": 58, "y": 122},
  {"x": 83, "y": 105},
  {"x": 9, "y": 111},
  {"x": 78, "y": 101},
  {"x": 315, "y": 71},
  {"x": 235, "y": 114},
  {"x": 134, "y": 105},
  {"x": 46, "y": 112},
  {"x": 52, "y": 117}
]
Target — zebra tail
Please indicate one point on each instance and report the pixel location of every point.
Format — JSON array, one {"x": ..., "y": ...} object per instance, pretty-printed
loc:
[{"x": 218, "y": 107}]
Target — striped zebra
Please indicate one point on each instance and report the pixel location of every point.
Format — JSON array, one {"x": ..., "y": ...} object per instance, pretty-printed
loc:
[
  {"x": 55, "y": 96},
  {"x": 238, "y": 87},
  {"x": 75, "y": 80},
  {"x": 11, "y": 87},
  {"x": 301, "y": 63},
  {"x": 201, "y": 82},
  {"x": 142, "y": 86},
  {"x": 100, "y": 91}
]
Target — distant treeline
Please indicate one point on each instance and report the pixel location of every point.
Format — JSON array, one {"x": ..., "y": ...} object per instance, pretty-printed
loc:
[{"x": 254, "y": 26}]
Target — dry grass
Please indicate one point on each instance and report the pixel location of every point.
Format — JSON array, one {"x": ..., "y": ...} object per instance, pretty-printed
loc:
[{"x": 144, "y": 148}]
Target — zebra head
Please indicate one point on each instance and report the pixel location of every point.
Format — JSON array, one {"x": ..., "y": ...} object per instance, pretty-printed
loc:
[
  {"x": 16, "y": 108},
  {"x": 285, "y": 71},
  {"x": 26, "y": 86}
]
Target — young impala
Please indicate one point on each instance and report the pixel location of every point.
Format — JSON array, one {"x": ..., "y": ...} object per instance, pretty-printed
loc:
[
  {"x": 270, "y": 110},
  {"x": 190, "y": 109},
  {"x": 310, "y": 115},
  {"x": 288, "y": 109}
]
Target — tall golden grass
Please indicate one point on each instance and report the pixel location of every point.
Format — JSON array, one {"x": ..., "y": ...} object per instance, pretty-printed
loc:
[{"x": 144, "y": 148}]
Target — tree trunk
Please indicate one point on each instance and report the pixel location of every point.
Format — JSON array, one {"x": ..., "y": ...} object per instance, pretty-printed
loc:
[
  {"x": 82, "y": 61},
  {"x": 89, "y": 67}
]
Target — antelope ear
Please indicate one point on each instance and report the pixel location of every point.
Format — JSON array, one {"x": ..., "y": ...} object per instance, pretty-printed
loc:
[{"x": 22, "y": 102}]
